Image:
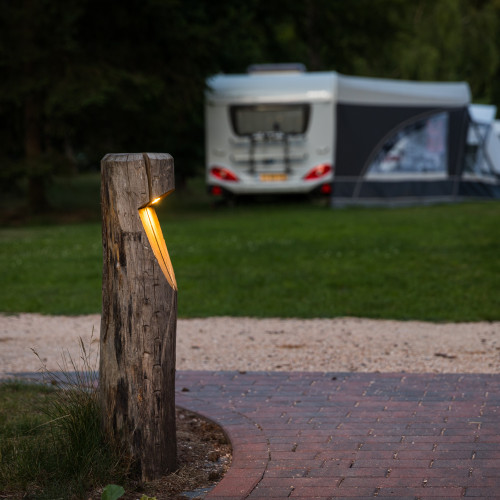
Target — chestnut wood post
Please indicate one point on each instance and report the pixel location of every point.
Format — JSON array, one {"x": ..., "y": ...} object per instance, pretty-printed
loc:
[{"x": 139, "y": 312}]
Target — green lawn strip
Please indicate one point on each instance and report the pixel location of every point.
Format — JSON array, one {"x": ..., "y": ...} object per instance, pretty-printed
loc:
[
  {"x": 281, "y": 259},
  {"x": 51, "y": 269}
]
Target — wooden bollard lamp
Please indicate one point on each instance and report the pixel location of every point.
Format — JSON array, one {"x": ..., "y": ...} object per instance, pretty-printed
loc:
[{"x": 139, "y": 312}]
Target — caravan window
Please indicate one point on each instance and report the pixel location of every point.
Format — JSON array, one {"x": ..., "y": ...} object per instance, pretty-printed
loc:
[
  {"x": 421, "y": 147},
  {"x": 286, "y": 118}
]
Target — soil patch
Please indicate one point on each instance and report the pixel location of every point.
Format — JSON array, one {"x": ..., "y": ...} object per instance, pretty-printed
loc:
[{"x": 204, "y": 456}]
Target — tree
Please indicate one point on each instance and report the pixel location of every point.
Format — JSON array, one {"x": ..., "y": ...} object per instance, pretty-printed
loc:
[
  {"x": 96, "y": 80},
  {"x": 38, "y": 40},
  {"x": 450, "y": 40}
]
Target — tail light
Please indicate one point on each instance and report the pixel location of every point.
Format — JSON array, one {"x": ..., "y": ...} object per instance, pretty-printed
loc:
[
  {"x": 224, "y": 174},
  {"x": 318, "y": 172},
  {"x": 326, "y": 189},
  {"x": 216, "y": 191}
]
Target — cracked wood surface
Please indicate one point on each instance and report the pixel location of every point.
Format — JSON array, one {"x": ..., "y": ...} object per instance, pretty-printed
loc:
[{"x": 139, "y": 313}]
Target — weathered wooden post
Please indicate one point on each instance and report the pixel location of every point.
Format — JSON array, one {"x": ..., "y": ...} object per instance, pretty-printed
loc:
[{"x": 139, "y": 311}]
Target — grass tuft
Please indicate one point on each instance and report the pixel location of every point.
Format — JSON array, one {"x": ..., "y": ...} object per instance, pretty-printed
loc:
[{"x": 54, "y": 447}]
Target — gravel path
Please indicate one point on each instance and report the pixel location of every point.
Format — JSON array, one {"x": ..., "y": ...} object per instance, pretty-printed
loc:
[{"x": 223, "y": 343}]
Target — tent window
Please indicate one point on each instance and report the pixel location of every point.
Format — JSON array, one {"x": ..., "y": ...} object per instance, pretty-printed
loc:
[
  {"x": 285, "y": 118},
  {"x": 421, "y": 147}
]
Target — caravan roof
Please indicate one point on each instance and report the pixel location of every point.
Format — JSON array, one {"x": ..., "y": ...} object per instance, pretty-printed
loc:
[
  {"x": 321, "y": 86},
  {"x": 384, "y": 92},
  {"x": 272, "y": 87}
]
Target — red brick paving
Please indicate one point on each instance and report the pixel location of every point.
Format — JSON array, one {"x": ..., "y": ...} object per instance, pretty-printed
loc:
[{"x": 352, "y": 435}]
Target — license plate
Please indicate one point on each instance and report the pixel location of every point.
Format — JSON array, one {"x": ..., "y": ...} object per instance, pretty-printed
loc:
[{"x": 273, "y": 177}]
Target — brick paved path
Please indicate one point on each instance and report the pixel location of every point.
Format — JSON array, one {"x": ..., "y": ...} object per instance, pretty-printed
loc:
[{"x": 353, "y": 435}]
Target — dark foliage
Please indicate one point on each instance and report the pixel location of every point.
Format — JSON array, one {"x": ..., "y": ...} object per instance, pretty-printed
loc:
[{"x": 95, "y": 77}]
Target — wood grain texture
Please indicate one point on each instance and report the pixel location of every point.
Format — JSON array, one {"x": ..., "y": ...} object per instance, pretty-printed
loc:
[{"x": 139, "y": 316}]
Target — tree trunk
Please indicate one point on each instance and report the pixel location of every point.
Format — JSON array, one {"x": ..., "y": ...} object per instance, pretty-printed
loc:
[
  {"x": 37, "y": 199},
  {"x": 139, "y": 312}
]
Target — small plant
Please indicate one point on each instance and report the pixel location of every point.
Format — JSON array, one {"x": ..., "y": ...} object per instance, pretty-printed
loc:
[{"x": 112, "y": 492}]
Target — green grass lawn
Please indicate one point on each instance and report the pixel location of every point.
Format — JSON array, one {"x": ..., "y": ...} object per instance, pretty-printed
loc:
[{"x": 286, "y": 259}]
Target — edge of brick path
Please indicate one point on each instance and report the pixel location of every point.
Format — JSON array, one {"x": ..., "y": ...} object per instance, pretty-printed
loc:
[{"x": 250, "y": 447}]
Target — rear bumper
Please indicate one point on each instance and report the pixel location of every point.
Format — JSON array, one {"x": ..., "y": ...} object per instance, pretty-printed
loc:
[{"x": 272, "y": 187}]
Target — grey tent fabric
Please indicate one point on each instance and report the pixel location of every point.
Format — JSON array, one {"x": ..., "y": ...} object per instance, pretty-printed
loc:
[
  {"x": 356, "y": 149},
  {"x": 371, "y": 114}
]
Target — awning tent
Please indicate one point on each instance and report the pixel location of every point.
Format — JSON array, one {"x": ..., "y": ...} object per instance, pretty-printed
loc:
[{"x": 405, "y": 142}]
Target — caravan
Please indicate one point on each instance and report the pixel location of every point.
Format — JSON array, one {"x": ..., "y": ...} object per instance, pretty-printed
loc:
[
  {"x": 358, "y": 140},
  {"x": 270, "y": 131}
]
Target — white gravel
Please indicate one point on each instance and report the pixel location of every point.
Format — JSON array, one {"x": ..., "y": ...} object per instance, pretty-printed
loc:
[{"x": 223, "y": 343}]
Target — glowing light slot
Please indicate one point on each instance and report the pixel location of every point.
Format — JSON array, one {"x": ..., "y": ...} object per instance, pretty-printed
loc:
[
  {"x": 156, "y": 200},
  {"x": 152, "y": 227}
]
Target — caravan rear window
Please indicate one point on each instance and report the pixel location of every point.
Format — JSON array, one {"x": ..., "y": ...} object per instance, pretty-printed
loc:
[{"x": 286, "y": 118}]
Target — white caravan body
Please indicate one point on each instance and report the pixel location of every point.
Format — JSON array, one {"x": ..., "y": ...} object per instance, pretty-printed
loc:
[{"x": 270, "y": 132}]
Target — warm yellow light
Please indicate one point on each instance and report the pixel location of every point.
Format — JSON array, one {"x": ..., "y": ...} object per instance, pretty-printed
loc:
[
  {"x": 153, "y": 231},
  {"x": 156, "y": 200}
]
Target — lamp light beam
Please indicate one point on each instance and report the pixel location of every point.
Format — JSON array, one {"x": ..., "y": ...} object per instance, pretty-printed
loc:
[{"x": 153, "y": 231}]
